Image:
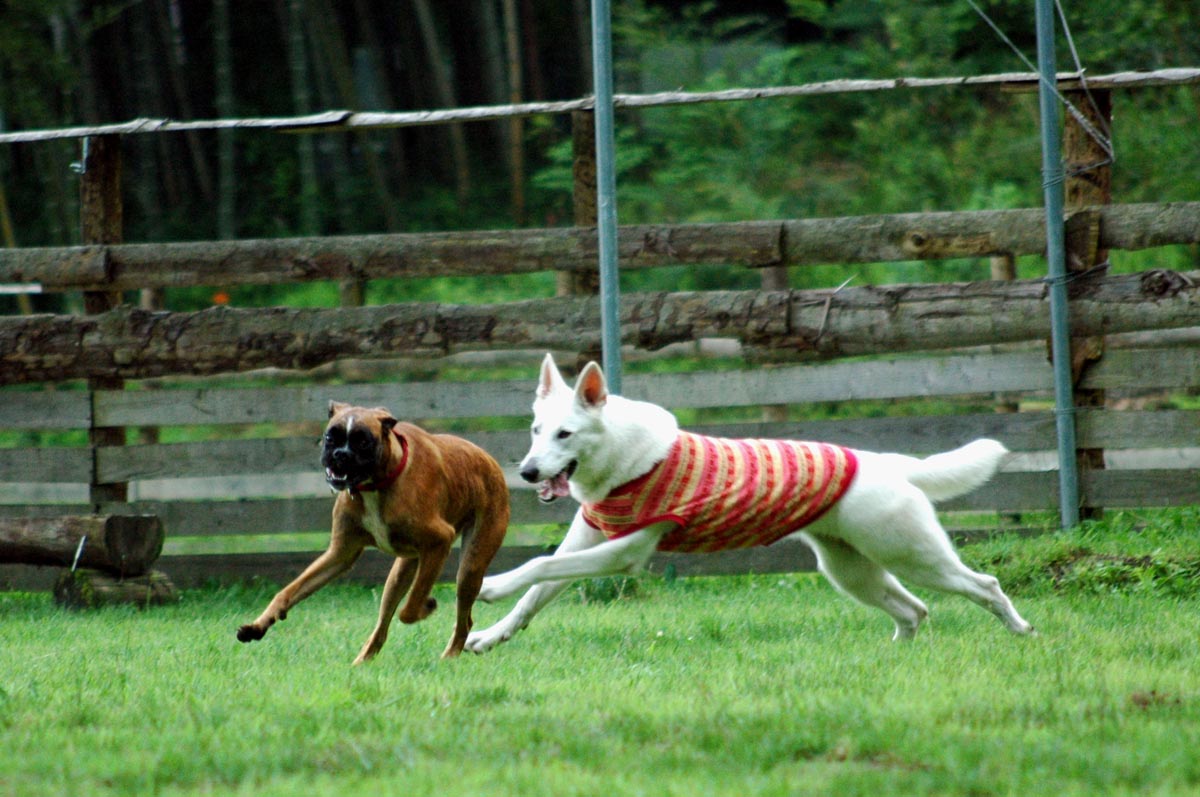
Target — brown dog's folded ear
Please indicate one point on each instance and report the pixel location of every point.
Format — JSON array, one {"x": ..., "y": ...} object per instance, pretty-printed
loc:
[
  {"x": 386, "y": 424},
  {"x": 336, "y": 406}
]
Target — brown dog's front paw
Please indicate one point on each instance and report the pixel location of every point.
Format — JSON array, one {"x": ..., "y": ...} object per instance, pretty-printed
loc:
[{"x": 250, "y": 633}]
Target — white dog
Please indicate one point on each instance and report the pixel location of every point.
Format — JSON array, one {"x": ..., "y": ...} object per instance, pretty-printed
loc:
[{"x": 644, "y": 485}]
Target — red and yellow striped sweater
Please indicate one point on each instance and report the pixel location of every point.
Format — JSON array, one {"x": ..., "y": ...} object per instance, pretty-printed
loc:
[{"x": 728, "y": 493}]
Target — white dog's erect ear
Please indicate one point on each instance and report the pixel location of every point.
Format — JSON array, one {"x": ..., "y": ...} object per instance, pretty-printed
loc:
[
  {"x": 550, "y": 380},
  {"x": 591, "y": 389}
]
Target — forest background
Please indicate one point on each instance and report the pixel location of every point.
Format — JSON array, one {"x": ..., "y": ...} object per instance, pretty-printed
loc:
[{"x": 71, "y": 62}]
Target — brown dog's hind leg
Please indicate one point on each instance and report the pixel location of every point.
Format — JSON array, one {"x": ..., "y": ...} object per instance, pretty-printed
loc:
[
  {"x": 399, "y": 579},
  {"x": 478, "y": 549}
]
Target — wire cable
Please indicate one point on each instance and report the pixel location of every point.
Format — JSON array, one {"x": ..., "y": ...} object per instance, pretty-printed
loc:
[{"x": 1096, "y": 135}]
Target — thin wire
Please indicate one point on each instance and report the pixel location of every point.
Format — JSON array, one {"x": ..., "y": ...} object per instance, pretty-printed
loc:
[
  {"x": 1062, "y": 15},
  {"x": 1088, "y": 127}
]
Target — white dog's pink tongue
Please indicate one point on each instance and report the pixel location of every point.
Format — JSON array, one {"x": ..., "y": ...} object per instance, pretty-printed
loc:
[
  {"x": 559, "y": 486},
  {"x": 556, "y": 487}
]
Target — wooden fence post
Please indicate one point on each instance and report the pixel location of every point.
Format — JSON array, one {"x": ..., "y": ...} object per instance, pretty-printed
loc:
[
  {"x": 1088, "y": 168},
  {"x": 101, "y": 222},
  {"x": 583, "y": 201},
  {"x": 775, "y": 278}
]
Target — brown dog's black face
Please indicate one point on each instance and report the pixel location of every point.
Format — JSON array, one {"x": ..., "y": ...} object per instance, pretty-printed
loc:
[{"x": 352, "y": 446}]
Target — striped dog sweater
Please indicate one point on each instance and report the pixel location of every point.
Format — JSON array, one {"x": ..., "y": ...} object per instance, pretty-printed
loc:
[{"x": 728, "y": 493}]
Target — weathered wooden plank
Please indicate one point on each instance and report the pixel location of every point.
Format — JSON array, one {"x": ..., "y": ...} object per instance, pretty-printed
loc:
[
  {"x": 943, "y": 375},
  {"x": 134, "y": 343},
  {"x": 211, "y": 458},
  {"x": 291, "y": 515},
  {"x": 407, "y": 255},
  {"x": 45, "y": 465},
  {"x": 1145, "y": 368},
  {"x": 200, "y": 569},
  {"x": 1131, "y": 488},
  {"x": 756, "y": 244},
  {"x": 885, "y": 378},
  {"x": 195, "y": 570},
  {"x": 44, "y": 409},
  {"x": 1098, "y": 428},
  {"x": 1011, "y": 491},
  {"x": 1019, "y": 431},
  {"x": 917, "y": 317},
  {"x": 412, "y": 401}
]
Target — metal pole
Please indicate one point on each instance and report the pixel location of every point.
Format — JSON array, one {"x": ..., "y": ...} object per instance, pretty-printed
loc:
[
  {"x": 606, "y": 194},
  {"x": 1060, "y": 338}
]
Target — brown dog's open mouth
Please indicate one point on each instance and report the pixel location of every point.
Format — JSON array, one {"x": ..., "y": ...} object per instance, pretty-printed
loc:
[
  {"x": 340, "y": 481},
  {"x": 556, "y": 486}
]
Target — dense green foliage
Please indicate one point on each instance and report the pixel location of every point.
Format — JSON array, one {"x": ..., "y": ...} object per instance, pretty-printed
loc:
[
  {"x": 843, "y": 154},
  {"x": 719, "y": 686}
]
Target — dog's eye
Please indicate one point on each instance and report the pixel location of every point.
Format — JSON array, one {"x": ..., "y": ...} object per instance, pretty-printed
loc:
[
  {"x": 360, "y": 441},
  {"x": 563, "y": 434}
]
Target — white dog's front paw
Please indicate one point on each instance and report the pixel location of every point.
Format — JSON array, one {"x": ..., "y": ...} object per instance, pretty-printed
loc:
[
  {"x": 496, "y": 588},
  {"x": 488, "y": 638}
]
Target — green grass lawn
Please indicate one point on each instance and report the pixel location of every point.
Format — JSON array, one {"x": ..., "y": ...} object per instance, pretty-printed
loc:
[{"x": 739, "y": 686}]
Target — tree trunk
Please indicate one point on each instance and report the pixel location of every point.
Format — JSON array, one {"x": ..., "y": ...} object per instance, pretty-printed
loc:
[
  {"x": 90, "y": 589},
  {"x": 493, "y": 64},
  {"x": 443, "y": 86},
  {"x": 324, "y": 23},
  {"x": 516, "y": 124},
  {"x": 126, "y": 545},
  {"x": 226, "y": 169},
  {"x": 173, "y": 37},
  {"x": 306, "y": 155}
]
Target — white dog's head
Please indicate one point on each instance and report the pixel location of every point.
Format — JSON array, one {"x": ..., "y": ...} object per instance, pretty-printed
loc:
[{"x": 567, "y": 423}]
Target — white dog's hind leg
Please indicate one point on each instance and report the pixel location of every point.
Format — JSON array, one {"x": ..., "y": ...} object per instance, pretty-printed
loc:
[
  {"x": 894, "y": 525},
  {"x": 858, "y": 577},
  {"x": 979, "y": 587}
]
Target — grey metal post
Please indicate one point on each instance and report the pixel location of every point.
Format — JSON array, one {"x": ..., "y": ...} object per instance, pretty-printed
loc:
[
  {"x": 606, "y": 194},
  {"x": 1060, "y": 338}
]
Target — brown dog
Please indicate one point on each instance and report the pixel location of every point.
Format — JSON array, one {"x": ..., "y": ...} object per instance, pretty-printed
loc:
[{"x": 409, "y": 493}]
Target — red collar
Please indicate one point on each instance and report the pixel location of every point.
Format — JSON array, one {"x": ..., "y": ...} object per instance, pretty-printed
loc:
[{"x": 393, "y": 474}]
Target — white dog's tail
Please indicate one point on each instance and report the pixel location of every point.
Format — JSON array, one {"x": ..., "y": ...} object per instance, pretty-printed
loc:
[{"x": 956, "y": 472}]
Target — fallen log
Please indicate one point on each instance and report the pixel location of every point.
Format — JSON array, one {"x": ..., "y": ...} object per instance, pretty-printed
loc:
[
  {"x": 132, "y": 343},
  {"x": 89, "y": 589},
  {"x": 124, "y": 545}
]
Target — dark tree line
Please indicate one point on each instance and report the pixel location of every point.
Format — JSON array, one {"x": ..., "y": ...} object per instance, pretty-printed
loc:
[{"x": 70, "y": 62}]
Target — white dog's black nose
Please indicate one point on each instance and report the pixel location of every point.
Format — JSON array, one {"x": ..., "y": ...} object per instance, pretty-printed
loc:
[{"x": 530, "y": 473}]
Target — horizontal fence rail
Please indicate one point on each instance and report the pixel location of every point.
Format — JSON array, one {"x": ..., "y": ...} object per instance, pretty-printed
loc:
[
  {"x": 132, "y": 343},
  {"x": 754, "y": 244},
  {"x": 373, "y": 120}
]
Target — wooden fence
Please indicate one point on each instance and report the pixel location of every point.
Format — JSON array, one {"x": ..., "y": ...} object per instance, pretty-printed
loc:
[{"x": 249, "y": 500}]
